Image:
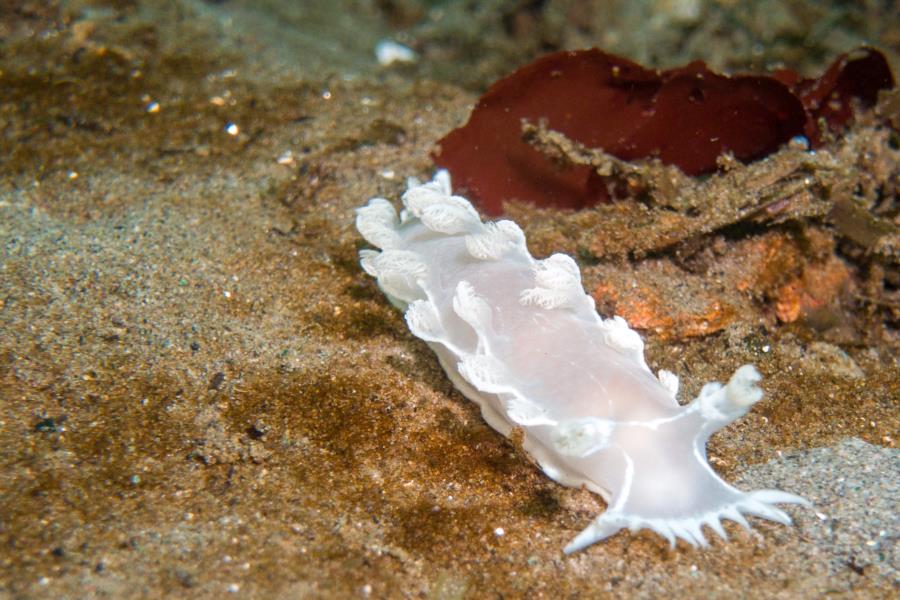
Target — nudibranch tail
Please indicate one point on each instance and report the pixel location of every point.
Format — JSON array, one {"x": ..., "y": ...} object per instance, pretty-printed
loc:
[
  {"x": 521, "y": 338},
  {"x": 682, "y": 495}
]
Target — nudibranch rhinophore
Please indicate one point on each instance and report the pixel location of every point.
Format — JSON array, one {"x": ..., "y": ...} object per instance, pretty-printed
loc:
[{"x": 521, "y": 338}]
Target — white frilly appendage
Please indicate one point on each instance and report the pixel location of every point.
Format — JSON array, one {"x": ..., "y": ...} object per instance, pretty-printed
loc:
[
  {"x": 757, "y": 503},
  {"x": 522, "y": 339}
]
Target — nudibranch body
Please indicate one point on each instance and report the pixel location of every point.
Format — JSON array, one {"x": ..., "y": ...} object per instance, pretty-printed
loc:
[{"x": 522, "y": 339}]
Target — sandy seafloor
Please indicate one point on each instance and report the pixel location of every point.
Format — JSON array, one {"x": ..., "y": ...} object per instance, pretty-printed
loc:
[{"x": 202, "y": 394}]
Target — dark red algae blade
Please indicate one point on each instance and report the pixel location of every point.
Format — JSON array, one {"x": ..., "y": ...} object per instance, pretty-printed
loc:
[
  {"x": 858, "y": 75},
  {"x": 685, "y": 117}
]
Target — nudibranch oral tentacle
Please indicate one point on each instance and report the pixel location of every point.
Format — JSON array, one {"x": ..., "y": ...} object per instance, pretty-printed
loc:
[{"x": 521, "y": 338}]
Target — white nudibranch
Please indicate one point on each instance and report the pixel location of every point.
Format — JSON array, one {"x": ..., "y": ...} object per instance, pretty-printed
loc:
[{"x": 521, "y": 338}]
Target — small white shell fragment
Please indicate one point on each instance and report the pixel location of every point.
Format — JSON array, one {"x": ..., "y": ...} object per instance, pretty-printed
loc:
[
  {"x": 520, "y": 338},
  {"x": 387, "y": 52}
]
